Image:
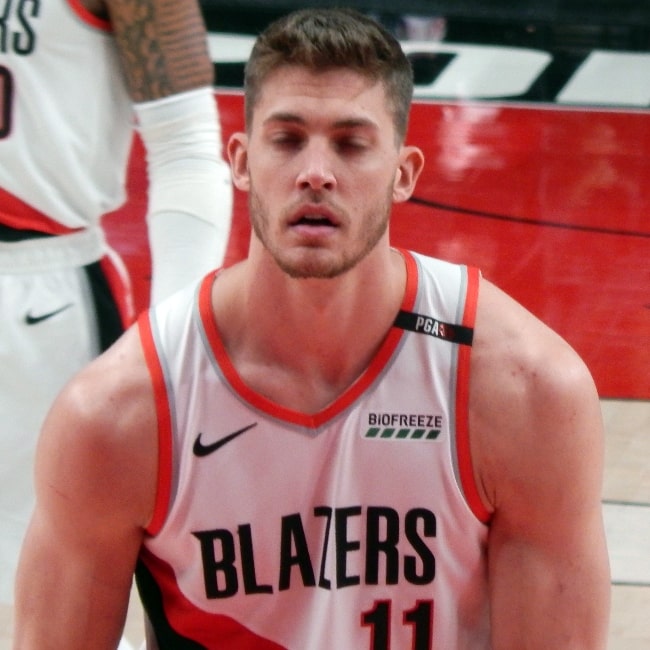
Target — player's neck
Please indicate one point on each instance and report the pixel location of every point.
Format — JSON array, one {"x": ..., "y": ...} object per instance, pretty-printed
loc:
[
  {"x": 320, "y": 310},
  {"x": 313, "y": 338}
]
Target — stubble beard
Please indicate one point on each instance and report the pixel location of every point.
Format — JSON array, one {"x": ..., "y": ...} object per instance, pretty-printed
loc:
[{"x": 316, "y": 263}]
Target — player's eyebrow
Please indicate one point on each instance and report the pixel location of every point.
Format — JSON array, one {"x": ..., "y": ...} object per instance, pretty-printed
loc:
[
  {"x": 345, "y": 123},
  {"x": 283, "y": 116}
]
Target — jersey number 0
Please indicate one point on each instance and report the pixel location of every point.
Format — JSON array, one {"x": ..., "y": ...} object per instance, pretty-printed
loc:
[{"x": 6, "y": 99}]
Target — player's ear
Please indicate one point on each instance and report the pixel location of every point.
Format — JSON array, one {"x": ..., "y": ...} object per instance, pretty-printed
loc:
[
  {"x": 237, "y": 151},
  {"x": 407, "y": 174}
]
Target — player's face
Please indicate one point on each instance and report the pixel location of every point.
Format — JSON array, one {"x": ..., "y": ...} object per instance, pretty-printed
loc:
[{"x": 321, "y": 164}]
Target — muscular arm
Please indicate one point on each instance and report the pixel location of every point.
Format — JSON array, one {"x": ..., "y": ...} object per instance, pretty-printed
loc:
[
  {"x": 95, "y": 484},
  {"x": 537, "y": 441}
]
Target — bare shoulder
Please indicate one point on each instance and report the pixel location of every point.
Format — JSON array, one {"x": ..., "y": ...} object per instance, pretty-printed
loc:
[
  {"x": 101, "y": 431},
  {"x": 112, "y": 395},
  {"x": 532, "y": 399},
  {"x": 515, "y": 346}
]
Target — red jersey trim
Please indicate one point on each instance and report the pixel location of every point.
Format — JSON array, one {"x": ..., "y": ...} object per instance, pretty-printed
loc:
[
  {"x": 463, "y": 451},
  {"x": 119, "y": 284},
  {"x": 88, "y": 17},
  {"x": 19, "y": 215},
  {"x": 163, "y": 483},
  {"x": 341, "y": 403},
  {"x": 211, "y": 631}
]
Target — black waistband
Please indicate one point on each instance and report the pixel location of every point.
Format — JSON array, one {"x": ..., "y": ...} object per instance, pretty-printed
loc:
[{"x": 9, "y": 234}]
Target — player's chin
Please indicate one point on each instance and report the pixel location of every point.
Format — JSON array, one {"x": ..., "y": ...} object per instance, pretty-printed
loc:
[{"x": 313, "y": 263}]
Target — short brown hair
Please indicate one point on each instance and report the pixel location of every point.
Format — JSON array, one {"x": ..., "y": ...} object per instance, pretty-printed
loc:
[{"x": 323, "y": 39}]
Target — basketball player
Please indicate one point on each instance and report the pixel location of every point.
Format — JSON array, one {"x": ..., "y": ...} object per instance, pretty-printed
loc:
[
  {"x": 70, "y": 71},
  {"x": 332, "y": 444}
]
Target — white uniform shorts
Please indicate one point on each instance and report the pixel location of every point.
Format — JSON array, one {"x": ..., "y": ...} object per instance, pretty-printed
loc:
[{"x": 58, "y": 313}]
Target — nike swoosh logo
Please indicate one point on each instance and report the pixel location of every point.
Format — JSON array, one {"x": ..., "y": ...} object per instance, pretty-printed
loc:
[
  {"x": 200, "y": 449},
  {"x": 32, "y": 320}
]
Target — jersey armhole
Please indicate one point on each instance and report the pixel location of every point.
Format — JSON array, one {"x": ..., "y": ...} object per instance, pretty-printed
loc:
[
  {"x": 89, "y": 18},
  {"x": 163, "y": 415},
  {"x": 463, "y": 450}
]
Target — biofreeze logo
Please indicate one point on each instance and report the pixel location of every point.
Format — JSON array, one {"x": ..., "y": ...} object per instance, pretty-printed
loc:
[
  {"x": 601, "y": 77},
  {"x": 403, "y": 426}
]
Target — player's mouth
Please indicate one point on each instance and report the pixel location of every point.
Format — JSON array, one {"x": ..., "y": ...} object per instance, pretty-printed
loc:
[{"x": 314, "y": 219}]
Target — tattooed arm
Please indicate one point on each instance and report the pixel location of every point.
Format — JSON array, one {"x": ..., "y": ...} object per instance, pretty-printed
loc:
[
  {"x": 169, "y": 75},
  {"x": 162, "y": 45}
]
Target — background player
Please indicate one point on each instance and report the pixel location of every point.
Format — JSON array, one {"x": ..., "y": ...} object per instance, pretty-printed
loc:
[{"x": 70, "y": 71}]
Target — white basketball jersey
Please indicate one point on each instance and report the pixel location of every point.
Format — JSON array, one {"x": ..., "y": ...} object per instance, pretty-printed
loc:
[
  {"x": 65, "y": 116},
  {"x": 358, "y": 527}
]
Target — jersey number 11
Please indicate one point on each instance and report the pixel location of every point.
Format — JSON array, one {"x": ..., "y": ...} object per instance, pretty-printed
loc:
[{"x": 420, "y": 618}]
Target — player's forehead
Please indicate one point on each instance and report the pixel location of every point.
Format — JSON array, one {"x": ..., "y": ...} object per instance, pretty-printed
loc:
[{"x": 342, "y": 97}]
